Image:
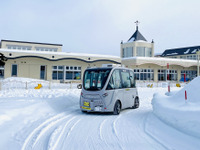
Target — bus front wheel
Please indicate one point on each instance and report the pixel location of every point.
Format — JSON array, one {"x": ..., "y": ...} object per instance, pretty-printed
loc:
[{"x": 117, "y": 108}]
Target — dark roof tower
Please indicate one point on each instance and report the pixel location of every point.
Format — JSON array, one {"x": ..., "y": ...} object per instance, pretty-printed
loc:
[{"x": 137, "y": 35}]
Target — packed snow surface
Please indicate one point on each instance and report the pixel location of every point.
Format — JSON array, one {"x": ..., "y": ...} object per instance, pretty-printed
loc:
[{"x": 51, "y": 119}]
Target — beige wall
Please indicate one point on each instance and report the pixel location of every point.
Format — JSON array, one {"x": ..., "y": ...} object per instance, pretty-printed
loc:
[{"x": 30, "y": 67}]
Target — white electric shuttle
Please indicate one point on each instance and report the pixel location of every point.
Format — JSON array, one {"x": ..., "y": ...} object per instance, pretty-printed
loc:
[{"x": 109, "y": 88}]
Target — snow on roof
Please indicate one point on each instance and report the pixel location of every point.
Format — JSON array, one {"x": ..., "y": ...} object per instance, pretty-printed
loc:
[
  {"x": 136, "y": 41},
  {"x": 194, "y": 51},
  {"x": 186, "y": 52},
  {"x": 159, "y": 59},
  {"x": 181, "y": 51},
  {"x": 58, "y": 53},
  {"x": 131, "y": 40}
]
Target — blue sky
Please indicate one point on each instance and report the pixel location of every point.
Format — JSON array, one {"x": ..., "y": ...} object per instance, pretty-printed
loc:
[{"x": 98, "y": 26}]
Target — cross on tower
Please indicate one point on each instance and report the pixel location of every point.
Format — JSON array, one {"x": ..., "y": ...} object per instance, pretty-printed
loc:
[{"x": 137, "y": 22}]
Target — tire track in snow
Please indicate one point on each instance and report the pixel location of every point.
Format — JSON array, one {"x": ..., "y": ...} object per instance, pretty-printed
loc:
[
  {"x": 71, "y": 129},
  {"x": 151, "y": 135},
  {"x": 62, "y": 134},
  {"x": 110, "y": 127},
  {"x": 47, "y": 128},
  {"x": 35, "y": 135},
  {"x": 56, "y": 133},
  {"x": 100, "y": 129},
  {"x": 114, "y": 127},
  {"x": 101, "y": 133}
]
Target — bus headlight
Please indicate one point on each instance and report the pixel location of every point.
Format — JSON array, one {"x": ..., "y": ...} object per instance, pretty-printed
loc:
[{"x": 105, "y": 94}]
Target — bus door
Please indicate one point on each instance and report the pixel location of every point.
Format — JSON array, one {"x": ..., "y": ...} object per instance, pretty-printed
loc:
[
  {"x": 128, "y": 90},
  {"x": 114, "y": 87}
]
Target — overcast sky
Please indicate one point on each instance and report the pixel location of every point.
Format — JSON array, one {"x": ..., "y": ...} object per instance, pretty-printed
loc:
[{"x": 98, "y": 26}]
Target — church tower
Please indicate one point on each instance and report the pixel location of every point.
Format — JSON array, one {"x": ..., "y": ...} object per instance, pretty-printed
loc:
[{"x": 137, "y": 46}]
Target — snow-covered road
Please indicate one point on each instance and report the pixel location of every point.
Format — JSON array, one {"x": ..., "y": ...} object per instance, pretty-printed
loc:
[{"x": 51, "y": 119}]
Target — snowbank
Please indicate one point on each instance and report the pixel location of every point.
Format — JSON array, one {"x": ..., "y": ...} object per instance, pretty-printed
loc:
[{"x": 179, "y": 113}]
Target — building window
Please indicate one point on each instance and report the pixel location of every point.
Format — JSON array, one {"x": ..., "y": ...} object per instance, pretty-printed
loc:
[
  {"x": 162, "y": 75},
  {"x": 14, "y": 70},
  {"x": 66, "y": 73},
  {"x": 19, "y": 47},
  {"x": 144, "y": 52},
  {"x": 127, "y": 52},
  {"x": 144, "y": 74},
  {"x": 190, "y": 57},
  {"x": 47, "y": 49},
  {"x": 140, "y": 51},
  {"x": 57, "y": 73},
  {"x": 137, "y": 74},
  {"x": 1, "y": 71},
  {"x": 190, "y": 74},
  {"x": 73, "y": 73},
  {"x": 148, "y": 52},
  {"x": 172, "y": 75},
  {"x": 43, "y": 72}
]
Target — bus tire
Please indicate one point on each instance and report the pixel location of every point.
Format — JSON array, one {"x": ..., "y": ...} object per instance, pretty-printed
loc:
[
  {"x": 117, "y": 108},
  {"x": 83, "y": 111},
  {"x": 136, "y": 103}
]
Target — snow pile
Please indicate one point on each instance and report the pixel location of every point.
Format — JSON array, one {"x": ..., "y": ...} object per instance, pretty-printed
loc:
[{"x": 180, "y": 113}]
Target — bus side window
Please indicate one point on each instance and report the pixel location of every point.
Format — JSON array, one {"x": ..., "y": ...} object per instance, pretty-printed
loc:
[
  {"x": 132, "y": 79},
  {"x": 126, "y": 83},
  {"x": 115, "y": 81},
  {"x": 110, "y": 84}
]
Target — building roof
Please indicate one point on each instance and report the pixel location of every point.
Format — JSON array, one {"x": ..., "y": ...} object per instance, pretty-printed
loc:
[
  {"x": 137, "y": 36},
  {"x": 56, "y": 56},
  {"x": 158, "y": 61},
  {"x": 31, "y": 42},
  {"x": 180, "y": 51}
]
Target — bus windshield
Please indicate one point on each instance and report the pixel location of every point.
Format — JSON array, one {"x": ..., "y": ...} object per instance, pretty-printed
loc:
[{"x": 95, "y": 79}]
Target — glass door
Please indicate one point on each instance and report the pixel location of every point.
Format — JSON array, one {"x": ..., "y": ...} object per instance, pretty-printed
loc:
[{"x": 43, "y": 72}]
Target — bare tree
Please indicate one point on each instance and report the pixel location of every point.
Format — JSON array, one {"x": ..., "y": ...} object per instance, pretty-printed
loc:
[{"x": 2, "y": 59}]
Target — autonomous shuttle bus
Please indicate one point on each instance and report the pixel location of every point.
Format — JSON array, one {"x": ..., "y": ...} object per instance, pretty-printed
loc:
[{"x": 108, "y": 89}]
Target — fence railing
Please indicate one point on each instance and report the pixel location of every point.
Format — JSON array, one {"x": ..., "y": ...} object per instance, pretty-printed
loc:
[
  {"x": 158, "y": 84},
  {"x": 4, "y": 85}
]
